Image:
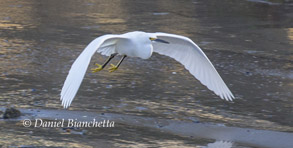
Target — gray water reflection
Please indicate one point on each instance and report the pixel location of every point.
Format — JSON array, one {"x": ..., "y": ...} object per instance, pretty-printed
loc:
[{"x": 250, "y": 44}]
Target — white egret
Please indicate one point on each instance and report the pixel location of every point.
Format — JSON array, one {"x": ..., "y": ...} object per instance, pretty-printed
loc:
[{"x": 142, "y": 45}]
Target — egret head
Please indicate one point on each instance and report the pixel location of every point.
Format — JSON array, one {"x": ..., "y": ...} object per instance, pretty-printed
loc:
[{"x": 155, "y": 39}]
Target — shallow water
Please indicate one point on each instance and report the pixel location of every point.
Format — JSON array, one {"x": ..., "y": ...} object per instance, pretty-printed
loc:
[{"x": 249, "y": 42}]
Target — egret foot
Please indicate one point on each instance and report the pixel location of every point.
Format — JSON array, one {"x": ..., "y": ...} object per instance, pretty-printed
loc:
[
  {"x": 113, "y": 68},
  {"x": 99, "y": 68}
]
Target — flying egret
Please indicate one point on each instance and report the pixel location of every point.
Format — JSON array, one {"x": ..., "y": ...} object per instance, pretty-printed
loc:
[{"x": 142, "y": 45}]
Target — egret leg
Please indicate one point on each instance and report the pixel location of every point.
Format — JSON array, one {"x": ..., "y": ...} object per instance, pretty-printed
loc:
[
  {"x": 113, "y": 67},
  {"x": 100, "y": 67}
]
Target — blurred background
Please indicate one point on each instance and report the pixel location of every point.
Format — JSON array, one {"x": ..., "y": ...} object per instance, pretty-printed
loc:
[{"x": 250, "y": 42}]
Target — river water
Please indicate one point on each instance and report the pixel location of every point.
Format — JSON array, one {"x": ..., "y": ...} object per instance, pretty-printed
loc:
[{"x": 249, "y": 42}]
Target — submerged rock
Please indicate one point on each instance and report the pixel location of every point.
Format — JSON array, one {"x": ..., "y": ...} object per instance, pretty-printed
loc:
[{"x": 11, "y": 113}]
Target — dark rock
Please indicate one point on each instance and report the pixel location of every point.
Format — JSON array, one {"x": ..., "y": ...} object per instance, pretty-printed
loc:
[
  {"x": 11, "y": 113},
  {"x": 1, "y": 114}
]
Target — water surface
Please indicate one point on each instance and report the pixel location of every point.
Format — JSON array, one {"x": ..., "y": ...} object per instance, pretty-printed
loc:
[{"x": 249, "y": 42}]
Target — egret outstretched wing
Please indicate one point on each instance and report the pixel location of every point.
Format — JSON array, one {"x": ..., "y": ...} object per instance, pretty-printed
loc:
[
  {"x": 104, "y": 45},
  {"x": 185, "y": 51}
]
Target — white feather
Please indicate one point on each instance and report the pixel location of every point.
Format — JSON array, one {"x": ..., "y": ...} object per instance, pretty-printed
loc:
[
  {"x": 186, "y": 52},
  {"x": 80, "y": 65}
]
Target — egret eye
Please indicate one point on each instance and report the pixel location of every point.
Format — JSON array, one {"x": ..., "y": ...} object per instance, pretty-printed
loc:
[{"x": 152, "y": 39}]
